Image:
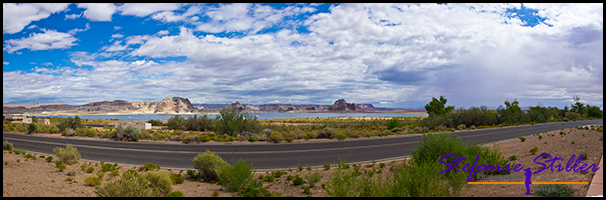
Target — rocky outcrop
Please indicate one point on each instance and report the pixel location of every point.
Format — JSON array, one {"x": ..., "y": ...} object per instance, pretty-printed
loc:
[
  {"x": 106, "y": 106},
  {"x": 303, "y": 109},
  {"x": 175, "y": 105},
  {"x": 238, "y": 107},
  {"x": 368, "y": 107},
  {"x": 275, "y": 107},
  {"x": 342, "y": 106}
]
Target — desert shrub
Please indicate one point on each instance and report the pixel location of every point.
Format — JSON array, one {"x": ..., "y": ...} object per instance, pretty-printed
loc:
[
  {"x": 300, "y": 168},
  {"x": 275, "y": 137},
  {"x": 288, "y": 139},
  {"x": 584, "y": 153},
  {"x": 106, "y": 167},
  {"x": 521, "y": 138},
  {"x": 49, "y": 159},
  {"x": 327, "y": 132},
  {"x": 92, "y": 181},
  {"x": 90, "y": 170},
  {"x": 175, "y": 194},
  {"x": 313, "y": 178},
  {"x": 160, "y": 181},
  {"x": 126, "y": 133},
  {"x": 572, "y": 115},
  {"x": 216, "y": 193},
  {"x": 269, "y": 178},
  {"x": 7, "y": 145},
  {"x": 204, "y": 138},
  {"x": 298, "y": 181},
  {"x": 31, "y": 128},
  {"x": 60, "y": 166},
  {"x": 534, "y": 150},
  {"x": 326, "y": 166},
  {"x": 341, "y": 136},
  {"x": 513, "y": 157},
  {"x": 69, "y": 155},
  {"x": 155, "y": 122},
  {"x": 237, "y": 177},
  {"x": 100, "y": 174},
  {"x": 231, "y": 123},
  {"x": 192, "y": 174},
  {"x": 307, "y": 191},
  {"x": 114, "y": 173},
  {"x": 278, "y": 173},
  {"x": 209, "y": 165},
  {"x": 176, "y": 178},
  {"x": 150, "y": 167},
  {"x": 558, "y": 190},
  {"x": 131, "y": 184},
  {"x": 289, "y": 178},
  {"x": 540, "y": 137},
  {"x": 71, "y": 173},
  {"x": 461, "y": 127}
]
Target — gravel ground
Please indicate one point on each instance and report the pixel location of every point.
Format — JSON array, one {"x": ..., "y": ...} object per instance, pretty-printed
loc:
[{"x": 36, "y": 177}]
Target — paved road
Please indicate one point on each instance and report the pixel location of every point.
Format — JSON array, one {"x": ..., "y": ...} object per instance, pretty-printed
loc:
[{"x": 265, "y": 155}]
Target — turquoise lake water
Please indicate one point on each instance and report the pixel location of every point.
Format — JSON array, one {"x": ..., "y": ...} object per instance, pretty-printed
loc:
[{"x": 270, "y": 115}]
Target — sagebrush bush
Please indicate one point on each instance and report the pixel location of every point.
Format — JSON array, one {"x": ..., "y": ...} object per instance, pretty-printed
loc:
[
  {"x": 237, "y": 177},
  {"x": 175, "y": 194},
  {"x": 313, "y": 178},
  {"x": 126, "y": 133},
  {"x": 7, "y": 145},
  {"x": 92, "y": 181},
  {"x": 69, "y": 155},
  {"x": 130, "y": 184},
  {"x": 209, "y": 165},
  {"x": 298, "y": 181},
  {"x": 160, "y": 181}
]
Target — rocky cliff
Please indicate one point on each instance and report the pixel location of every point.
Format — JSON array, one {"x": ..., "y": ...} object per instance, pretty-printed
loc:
[
  {"x": 175, "y": 105},
  {"x": 238, "y": 107},
  {"x": 342, "y": 106},
  {"x": 276, "y": 107}
]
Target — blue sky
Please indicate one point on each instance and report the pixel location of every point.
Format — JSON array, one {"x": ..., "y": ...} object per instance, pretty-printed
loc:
[{"x": 391, "y": 55}]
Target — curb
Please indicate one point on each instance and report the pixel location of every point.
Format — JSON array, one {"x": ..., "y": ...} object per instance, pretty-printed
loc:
[{"x": 596, "y": 187}]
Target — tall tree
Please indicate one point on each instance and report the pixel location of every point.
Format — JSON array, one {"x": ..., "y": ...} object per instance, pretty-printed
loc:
[{"x": 437, "y": 107}]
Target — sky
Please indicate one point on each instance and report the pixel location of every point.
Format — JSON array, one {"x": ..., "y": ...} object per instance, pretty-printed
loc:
[{"x": 390, "y": 55}]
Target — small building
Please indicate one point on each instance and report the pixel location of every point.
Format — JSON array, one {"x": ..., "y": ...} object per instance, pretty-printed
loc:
[
  {"x": 18, "y": 119},
  {"x": 143, "y": 126},
  {"x": 43, "y": 121}
]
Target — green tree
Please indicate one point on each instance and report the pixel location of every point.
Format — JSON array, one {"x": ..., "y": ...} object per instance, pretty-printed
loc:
[
  {"x": 436, "y": 107},
  {"x": 577, "y": 106},
  {"x": 31, "y": 128}
]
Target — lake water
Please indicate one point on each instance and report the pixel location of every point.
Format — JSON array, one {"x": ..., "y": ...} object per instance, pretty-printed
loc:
[{"x": 269, "y": 115}]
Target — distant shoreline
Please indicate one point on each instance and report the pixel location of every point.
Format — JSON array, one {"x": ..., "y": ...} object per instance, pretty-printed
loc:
[{"x": 199, "y": 113}]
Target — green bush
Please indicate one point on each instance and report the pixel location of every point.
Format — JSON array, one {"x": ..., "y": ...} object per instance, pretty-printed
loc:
[
  {"x": 209, "y": 165},
  {"x": 298, "y": 181},
  {"x": 31, "y": 128},
  {"x": 278, "y": 173},
  {"x": 176, "y": 178},
  {"x": 558, "y": 190},
  {"x": 584, "y": 153},
  {"x": 107, "y": 167},
  {"x": 313, "y": 178},
  {"x": 49, "y": 159},
  {"x": 7, "y": 145},
  {"x": 231, "y": 123},
  {"x": 192, "y": 174},
  {"x": 521, "y": 138},
  {"x": 534, "y": 150},
  {"x": 216, "y": 193},
  {"x": 326, "y": 166},
  {"x": 289, "y": 178},
  {"x": 327, "y": 132},
  {"x": 69, "y": 155},
  {"x": 160, "y": 181},
  {"x": 513, "y": 157},
  {"x": 150, "y": 167},
  {"x": 237, "y": 177},
  {"x": 269, "y": 178},
  {"x": 90, "y": 170},
  {"x": 307, "y": 191},
  {"x": 341, "y": 136},
  {"x": 61, "y": 166},
  {"x": 131, "y": 184},
  {"x": 92, "y": 181},
  {"x": 126, "y": 133},
  {"x": 276, "y": 138},
  {"x": 175, "y": 194},
  {"x": 100, "y": 174}
]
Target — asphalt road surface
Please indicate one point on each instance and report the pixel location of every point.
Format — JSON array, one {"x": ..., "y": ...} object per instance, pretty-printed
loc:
[{"x": 264, "y": 155}]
